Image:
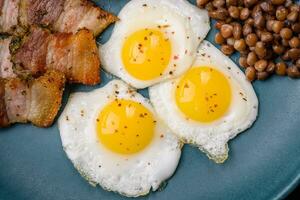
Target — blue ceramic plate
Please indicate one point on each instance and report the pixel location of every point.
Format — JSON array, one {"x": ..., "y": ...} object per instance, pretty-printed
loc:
[{"x": 264, "y": 162}]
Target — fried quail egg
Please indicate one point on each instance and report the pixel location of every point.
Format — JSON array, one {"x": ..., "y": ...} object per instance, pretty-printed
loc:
[
  {"x": 114, "y": 138},
  {"x": 208, "y": 105},
  {"x": 154, "y": 40}
]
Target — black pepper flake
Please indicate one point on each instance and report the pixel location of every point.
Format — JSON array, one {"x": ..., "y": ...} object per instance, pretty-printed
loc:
[
  {"x": 171, "y": 73},
  {"x": 244, "y": 99},
  {"x": 229, "y": 68},
  {"x": 161, "y": 136},
  {"x": 67, "y": 118},
  {"x": 144, "y": 5},
  {"x": 99, "y": 166},
  {"x": 97, "y": 120},
  {"x": 119, "y": 105},
  {"x": 117, "y": 92},
  {"x": 137, "y": 135}
]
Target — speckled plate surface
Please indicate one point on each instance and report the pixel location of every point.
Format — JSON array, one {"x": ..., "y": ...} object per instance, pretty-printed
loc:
[{"x": 263, "y": 164}]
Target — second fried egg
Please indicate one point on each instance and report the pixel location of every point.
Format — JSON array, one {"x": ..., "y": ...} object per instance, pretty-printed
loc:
[
  {"x": 209, "y": 105},
  {"x": 154, "y": 40}
]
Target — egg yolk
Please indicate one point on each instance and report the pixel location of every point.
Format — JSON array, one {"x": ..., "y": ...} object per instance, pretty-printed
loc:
[
  {"x": 125, "y": 126},
  {"x": 146, "y": 54},
  {"x": 203, "y": 94}
]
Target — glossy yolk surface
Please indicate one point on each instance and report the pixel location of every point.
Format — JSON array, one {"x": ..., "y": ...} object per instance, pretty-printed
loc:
[
  {"x": 146, "y": 54},
  {"x": 203, "y": 94},
  {"x": 125, "y": 126}
]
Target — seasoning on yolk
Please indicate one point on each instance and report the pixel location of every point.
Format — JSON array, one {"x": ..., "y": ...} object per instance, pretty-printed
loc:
[
  {"x": 125, "y": 126},
  {"x": 146, "y": 54},
  {"x": 203, "y": 94}
]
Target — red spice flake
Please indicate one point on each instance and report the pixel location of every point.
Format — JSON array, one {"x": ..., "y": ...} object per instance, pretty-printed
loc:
[{"x": 176, "y": 57}]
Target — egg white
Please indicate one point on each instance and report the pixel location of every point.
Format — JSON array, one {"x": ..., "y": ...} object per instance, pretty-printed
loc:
[
  {"x": 129, "y": 175},
  {"x": 188, "y": 26},
  {"x": 212, "y": 137}
]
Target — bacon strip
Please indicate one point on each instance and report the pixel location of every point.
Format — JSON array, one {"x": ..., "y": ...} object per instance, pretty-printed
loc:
[
  {"x": 59, "y": 15},
  {"x": 36, "y": 101},
  {"x": 80, "y": 14},
  {"x": 6, "y": 66},
  {"x": 9, "y": 12},
  {"x": 75, "y": 55}
]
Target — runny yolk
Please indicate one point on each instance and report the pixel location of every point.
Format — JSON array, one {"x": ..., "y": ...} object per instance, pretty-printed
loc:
[
  {"x": 146, "y": 54},
  {"x": 203, "y": 94},
  {"x": 125, "y": 126}
]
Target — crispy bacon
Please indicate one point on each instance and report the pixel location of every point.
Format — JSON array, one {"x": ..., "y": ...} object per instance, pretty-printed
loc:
[
  {"x": 6, "y": 66},
  {"x": 75, "y": 55},
  {"x": 80, "y": 14},
  {"x": 9, "y": 12},
  {"x": 32, "y": 54},
  {"x": 59, "y": 15},
  {"x": 36, "y": 101},
  {"x": 40, "y": 12}
]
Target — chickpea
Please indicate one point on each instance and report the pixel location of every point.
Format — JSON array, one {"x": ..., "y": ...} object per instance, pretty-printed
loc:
[
  {"x": 271, "y": 67},
  {"x": 244, "y": 14},
  {"x": 280, "y": 68},
  {"x": 285, "y": 56},
  {"x": 247, "y": 29},
  {"x": 294, "y": 53},
  {"x": 250, "y": 73},
  {"x": 202, "y": 3},
  {"x": 231, "y": 2},
  {"x": 277, "y": 26},
  {"x": 281, "y": 13},
  {"x": 237, "y": 31},
  {"x": 261, "y": 65},
  {"x": 278, "y": 49},
  {"x": 251, "y": 59},
  {"x": 293, "y": 72},
  {"x": 266, "y": 36},
  {"x": 296, "y": 27},
  {"x": 234, "y": 12},
  {"x": 278, "y": 2},
  {"x": 269, "y": 25},
  {"x": 249, "y": 3},
  {"x": 219, "y": 24},
  {"x": 219, "y": 39},
  {"x": 294, "y": 8},
  {"x": 293, "y": 16},
  {"x": 243, "y": 62},
  {"x": 226, "y": 30},
  {"x": 220, "y": 14},
  {"x": 285, "y": 42},
  {"x": 262, "y": 75},
  {"x": 267, "y": 7},
  {"x": 294, "y": 42},
  {"x": 227, "y": 49},
  {"x": 209, "y": 7},
  {"x": 249, "y": 21},
  {"x": 230, "y": 41},
  {"x": 286, "y": 33},
  {"x": 251, "y": 39},
  {"x": 240, "y": 45},
  {"x": 218, "y": 3},
  {"x": 260, "y": 50},
  {"x": 259, "y": 21}
]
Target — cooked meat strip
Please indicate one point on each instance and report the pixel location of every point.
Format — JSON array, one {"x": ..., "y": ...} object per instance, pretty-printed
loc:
[
  {"x": 9, "y": 15},
  {"x": 31, "y": 56},
  {"x": 36, "y": 101},
  {"x": 59, "y": 15},
  {"x": 16, "y": 100},
  {"x": 40, "y": 12},
  {"x": 76, "y": 55},
  {"x": 46, "y": 96},
  {"x": 80, "y": 14},
  {"x": 3, "y": 115},
  {"x": 6, "y": 66}
]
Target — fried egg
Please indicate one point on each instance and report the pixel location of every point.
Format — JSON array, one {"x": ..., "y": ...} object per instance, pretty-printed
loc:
[
  {"x": 154, "y": 40},
  {"x": 114, "y": 138},
  {"x": 208, "y": 105}
]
